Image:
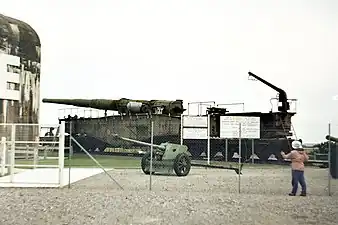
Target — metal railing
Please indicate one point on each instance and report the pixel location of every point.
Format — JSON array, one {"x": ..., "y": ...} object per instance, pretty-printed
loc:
[{"x": 15, "y": 144}]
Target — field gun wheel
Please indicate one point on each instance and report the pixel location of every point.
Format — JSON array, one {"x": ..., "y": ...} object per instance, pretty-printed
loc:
[
  {"x": 145, "y": 163},
  {"x": 182, "y": 164}
]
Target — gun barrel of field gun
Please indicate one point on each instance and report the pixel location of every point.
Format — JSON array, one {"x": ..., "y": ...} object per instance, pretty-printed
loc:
[{"x": 140, "y": 142}]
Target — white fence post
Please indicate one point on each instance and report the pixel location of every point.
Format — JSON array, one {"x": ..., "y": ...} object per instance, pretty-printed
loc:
[
  {"x": 61, "y": 152},
  {"x": 12, "y": 160},
  {"x": 36, "y": 152},
  {"x": 3, "y": 156}
]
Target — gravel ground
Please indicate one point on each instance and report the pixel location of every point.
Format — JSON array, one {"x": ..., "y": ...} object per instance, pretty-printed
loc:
[{"x": 205, "y": 196}]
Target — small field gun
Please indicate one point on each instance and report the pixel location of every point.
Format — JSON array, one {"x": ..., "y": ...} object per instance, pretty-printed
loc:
[{"x": 167, "y": 157}]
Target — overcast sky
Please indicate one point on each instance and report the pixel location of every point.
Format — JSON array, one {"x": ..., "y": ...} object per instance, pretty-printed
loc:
[{"x": 191, "y": 50}]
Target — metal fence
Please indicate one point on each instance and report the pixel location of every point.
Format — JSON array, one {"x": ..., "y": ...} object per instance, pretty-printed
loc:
[
  {"x": 22, "y": 149},
  {"x": 98, "y": 137}
]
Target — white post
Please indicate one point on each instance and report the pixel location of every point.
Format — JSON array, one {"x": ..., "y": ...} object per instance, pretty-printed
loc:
[
  {"x": 208, "y": 151},
  {"x": 12, "y": 161},
  {"x": 329, "y": 162},
  {"x": 61, "y": 152},
  {"x": 27, "y": 152},
  {"x": 36, "y": 152},
  {"x": 182, "y": 125},
  {"x": 240, "y": 155},
  {"x": 151, "y": 153},
  {"x": 3, "y": 156}
]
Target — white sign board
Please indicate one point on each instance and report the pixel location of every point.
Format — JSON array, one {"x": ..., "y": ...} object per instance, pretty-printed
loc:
[
  {"x": 229, "y": 127},
  {"x": 195, "y": 127},
  {"x": 8, "y": 78},
  {"x": 195, "y": 121},
  {"x": 195, "y": 133}
]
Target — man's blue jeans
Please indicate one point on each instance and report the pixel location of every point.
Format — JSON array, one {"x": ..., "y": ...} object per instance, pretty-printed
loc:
[{"x": 298, "y": 177}]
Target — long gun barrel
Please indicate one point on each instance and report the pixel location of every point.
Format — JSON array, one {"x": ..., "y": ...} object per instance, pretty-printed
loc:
[
  {"x": 124, "y": 105},
  {"x": 104, "y": 104},
  {"x": 282, "y": 94},
  {"x": 140, "y": 142}
]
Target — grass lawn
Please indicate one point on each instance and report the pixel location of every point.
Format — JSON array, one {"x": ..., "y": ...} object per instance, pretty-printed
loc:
[{"x": 82, "y": 160}]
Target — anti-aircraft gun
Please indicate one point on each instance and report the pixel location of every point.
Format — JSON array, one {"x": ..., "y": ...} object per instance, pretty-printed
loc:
[
  {"x": 126, "y": 106},
  {"x": 168, "y": 157}
]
